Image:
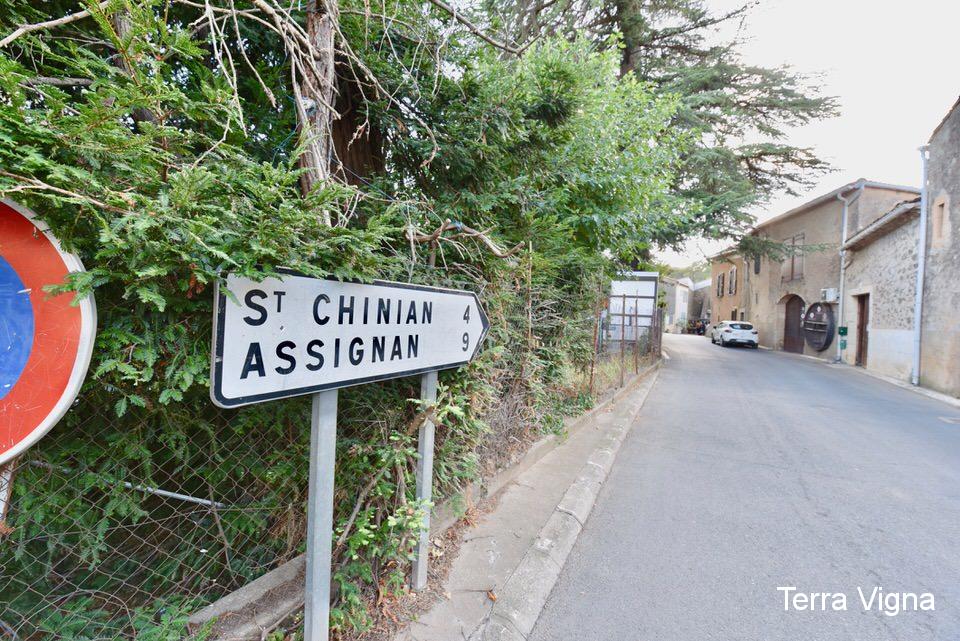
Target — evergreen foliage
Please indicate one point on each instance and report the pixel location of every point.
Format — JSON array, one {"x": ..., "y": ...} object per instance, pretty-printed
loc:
[
  {"x": 159, "y": 141},
  {"x": 736, "y": 115}
]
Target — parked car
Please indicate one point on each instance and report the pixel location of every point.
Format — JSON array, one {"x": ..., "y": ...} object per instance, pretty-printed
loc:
[{"x": 734, "y": 333}]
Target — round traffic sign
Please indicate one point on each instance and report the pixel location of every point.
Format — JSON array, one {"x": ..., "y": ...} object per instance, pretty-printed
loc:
[{"x": 45, "y": 340}]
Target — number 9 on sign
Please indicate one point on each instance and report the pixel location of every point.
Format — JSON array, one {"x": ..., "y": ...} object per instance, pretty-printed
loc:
[{"x": 466, "y": 341}]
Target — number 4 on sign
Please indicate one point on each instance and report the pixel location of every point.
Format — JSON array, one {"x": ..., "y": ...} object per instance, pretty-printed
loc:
[{"x": 466, "y": 335}]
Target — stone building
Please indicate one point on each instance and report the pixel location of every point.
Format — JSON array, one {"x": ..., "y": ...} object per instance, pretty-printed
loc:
[
  {"x": 729, "y": 287},
  {"x": 940, "y": 337},
  {"x": 795, "y": 303},
  {"x": 879, "y": 287},
  {"x": 700, "y": 300},
  {"x": 857, "y": 265}
]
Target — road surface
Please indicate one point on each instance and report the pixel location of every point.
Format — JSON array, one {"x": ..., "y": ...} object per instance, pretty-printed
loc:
[{"x": 750, "y": 470}]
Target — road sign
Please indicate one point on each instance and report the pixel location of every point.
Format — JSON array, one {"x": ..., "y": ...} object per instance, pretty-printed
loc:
[
  {"x": 45, "y": 341},
  {"x": 301, "y": 335}
]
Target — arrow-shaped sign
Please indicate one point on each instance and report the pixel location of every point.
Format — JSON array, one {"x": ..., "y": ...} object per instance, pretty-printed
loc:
[{"x": 297, "y": 335}]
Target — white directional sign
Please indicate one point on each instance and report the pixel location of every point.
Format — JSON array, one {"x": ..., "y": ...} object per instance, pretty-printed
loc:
[{"x": 299, "y": 335}]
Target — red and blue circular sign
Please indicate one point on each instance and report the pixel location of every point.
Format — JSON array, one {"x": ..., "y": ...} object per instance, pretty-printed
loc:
[{"x": 45, "y": 341}]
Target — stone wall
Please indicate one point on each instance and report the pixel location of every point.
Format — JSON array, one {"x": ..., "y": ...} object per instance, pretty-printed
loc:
[
  {"x": 886, "y": 270},
  {"x": 940, "y": 338},
  {"x": 821, "y": 226},
  {"x": 700, "y": 302}
]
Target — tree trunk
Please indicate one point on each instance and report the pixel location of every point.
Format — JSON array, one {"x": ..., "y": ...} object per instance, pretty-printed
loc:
[
  {"x": 632, "y": 25},
  {"x": 357, "y": 142},
  {"x": 315, "y": 91},
  {"x": 123, "y": 26}
]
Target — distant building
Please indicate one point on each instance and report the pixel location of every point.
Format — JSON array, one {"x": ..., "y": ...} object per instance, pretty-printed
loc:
[
  {"x": 729, "y": 295},
  {"x": 700, "y": 300},
  {"x": 795, "y": 303},
  {"x": 856, "y": 265},
  {"x": 677, "y": 296}
]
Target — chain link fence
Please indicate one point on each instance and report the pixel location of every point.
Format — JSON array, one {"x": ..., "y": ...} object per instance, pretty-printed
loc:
[
  {"x": 109, "y": 535},
  {"x": 625, "y": 344},
  {"x": 120, "y": 527}
]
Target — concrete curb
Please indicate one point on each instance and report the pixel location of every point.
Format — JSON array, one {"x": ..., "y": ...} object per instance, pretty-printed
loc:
[
  {"x": 449, "y": 511},
  {"x": 523, "y": 596}
]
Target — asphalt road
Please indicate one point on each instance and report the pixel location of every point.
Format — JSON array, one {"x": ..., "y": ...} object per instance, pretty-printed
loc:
[{"x": 751, "y": 470}]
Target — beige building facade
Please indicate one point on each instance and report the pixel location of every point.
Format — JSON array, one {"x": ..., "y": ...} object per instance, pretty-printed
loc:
[
  {"x": 728, "y": 288},
  {"x": 795, "y": 303},
  {"x": 861, "y": 251}
]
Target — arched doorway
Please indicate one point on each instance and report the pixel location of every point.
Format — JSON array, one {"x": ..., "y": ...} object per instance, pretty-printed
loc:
[{"x": 793, "y": 325}]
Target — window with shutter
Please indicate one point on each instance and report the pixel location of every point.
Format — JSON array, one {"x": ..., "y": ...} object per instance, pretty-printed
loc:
[
  {"x": 733, "y": 280},
  {"x": 792, "y": 267},
  {"x": 940, "y": 215}
]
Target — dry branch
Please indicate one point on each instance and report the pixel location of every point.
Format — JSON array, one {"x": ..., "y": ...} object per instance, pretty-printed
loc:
[
  {"x": 464, "y": 232},
  {"x": 57, "y": 82},
  {"x": 474, "y": 29},
  {"x": 29, "y": 184},
  {"x": 49, "y": 24}
]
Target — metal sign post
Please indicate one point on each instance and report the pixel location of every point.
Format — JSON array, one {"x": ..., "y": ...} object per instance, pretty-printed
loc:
[
  {"x": 297, "y": 335},
  {"x": 636, "y": 339},
  {"x": 623, "y": 323},
  {"x": 428, "y": 392},
  {"x": 323, "y": 454},
  {"x": 6, "y": 490},
  {"x": 597, "y": 336}
]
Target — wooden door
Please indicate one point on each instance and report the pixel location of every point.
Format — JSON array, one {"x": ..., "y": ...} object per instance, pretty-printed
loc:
[
  {"x": 863, "y": 324},
  {"x": 792, "y": 326}
]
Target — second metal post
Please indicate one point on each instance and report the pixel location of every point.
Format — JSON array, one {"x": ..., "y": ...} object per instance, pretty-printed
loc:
[
  {"x": 323, "y": 455},
  {"x": 428, "y": 393}
]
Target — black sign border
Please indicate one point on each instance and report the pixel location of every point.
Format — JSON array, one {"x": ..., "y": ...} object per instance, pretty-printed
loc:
[{"x": 216, "y": 365}]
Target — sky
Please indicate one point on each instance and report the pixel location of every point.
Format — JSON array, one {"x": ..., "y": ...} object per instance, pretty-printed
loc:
[{"x": 893, "y": 65}]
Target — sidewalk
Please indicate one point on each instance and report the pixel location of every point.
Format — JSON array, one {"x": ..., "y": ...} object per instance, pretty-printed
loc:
[
  {"x": 916, "y": 389},
  {"x": 510, "y": 559}
]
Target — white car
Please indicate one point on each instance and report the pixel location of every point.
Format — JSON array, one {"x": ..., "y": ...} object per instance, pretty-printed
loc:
[{"x": 734, "y": 333}]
